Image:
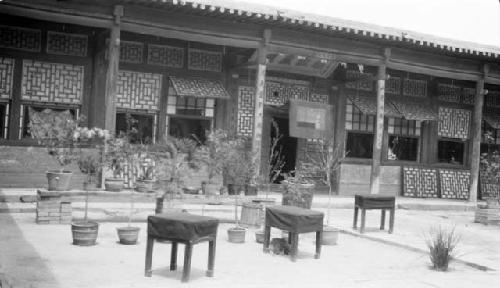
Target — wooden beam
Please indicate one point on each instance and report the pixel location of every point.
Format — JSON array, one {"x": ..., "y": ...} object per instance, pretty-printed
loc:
[
  {"x": 260, "y": 80},
  {"x": 112, "y": 72},
  {"x": 278, "y": 58},
  {"x": 476, "y": 137},
  {"x": 379, "y": 127}
]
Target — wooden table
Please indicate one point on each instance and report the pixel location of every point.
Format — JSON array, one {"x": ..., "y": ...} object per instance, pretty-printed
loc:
[
  {"x": 184, "y": 228},
  {"x": 295, "y": 220},
  {"x": 366, "y": 202}
]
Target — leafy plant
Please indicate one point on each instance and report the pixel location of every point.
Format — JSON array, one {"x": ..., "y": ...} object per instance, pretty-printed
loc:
[
  {"x": 489, "y": 165},
  {"x": 90, "y": 165},
  {"x": 442, "y": 244}
]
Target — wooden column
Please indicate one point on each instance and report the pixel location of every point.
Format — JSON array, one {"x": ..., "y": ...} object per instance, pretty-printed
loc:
[
  {"x": 476, "y": 137},
  {"x": 340, "y": 131},
  {"x": 112, "y": 72},
  {"x": 260, "y": 81},
  {"x": 379, "y": 129}
]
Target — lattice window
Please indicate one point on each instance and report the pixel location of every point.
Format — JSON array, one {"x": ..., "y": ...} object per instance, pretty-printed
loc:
[
  {"x": 66, "y": 44},
  {"x": 449, "y": 93},
  {"x": 246, "y": 104},
  {"x": 278, "y": 91},
  {"x": 492, "y": 99},
  {"x": 468, "y": 96},
  {"x": 20, "y": 38},
  {"x": 138, "y": 90},
  {"x": 204, "y": 60},
  {"x": 192, "y": 106},
  {"x": 454, "y": 184},
  {"x": 400, "y": 126},
  {"x": 319, "y": 98},
  {"x": 357, "y": 121},
  {"x": 420, "y": 182},
  {"x": 52, "y": 82},
  {"x": 353, "y": 81},
  {"x": 454, "y": 123},
  {"x": 4, "y": 119},
  {"x": 415, "y": 88},
  {"x": 164, "y": 55},
  {"x": 6, "y": 77},
  {"x": 393, "y": 85},
  {"x": 144, "y": 124}
]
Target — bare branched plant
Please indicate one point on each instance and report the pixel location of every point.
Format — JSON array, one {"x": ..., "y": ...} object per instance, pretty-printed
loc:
[
  {"x": 325, "y": 161},
  {"x": 276, "y": 160}
]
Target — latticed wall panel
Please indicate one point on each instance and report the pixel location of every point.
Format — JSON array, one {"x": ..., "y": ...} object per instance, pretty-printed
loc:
[
  {"x": 137, "y": 90},
  {"x": 420, "y": 182},
  {"x": 66, "y": 44},
  {"x": 204, "y": 60},
  {"x": 6, "y": 77},
  {"x": 279, "y": 90},
  {"x": 415, "y": 88},
  {"x": 20, "y": 38},
  {"x": 449, "y": 93},
  {"x": 468, "y": 96},
  {"x": 454, "y": 183},
  {"x": 454, "y": 123},
  {"x": 353, "y": 83},
  {"x": 52, "y": 82},
  {"x": 393, "y": 85},
  {"x": 164, "y": 55},
  {"x": 246, "y": 105},
  {"x": 318, "y": 98}
]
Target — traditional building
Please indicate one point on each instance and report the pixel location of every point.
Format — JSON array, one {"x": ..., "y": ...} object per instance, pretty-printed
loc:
[{"x": 409, "y": 109}]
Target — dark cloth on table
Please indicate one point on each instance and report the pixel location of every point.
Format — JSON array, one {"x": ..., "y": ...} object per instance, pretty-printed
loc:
[
  {"x": 294, "y": 219},
  {"x": 181, "y": 226},
  {"x": 374, "y": 201}
]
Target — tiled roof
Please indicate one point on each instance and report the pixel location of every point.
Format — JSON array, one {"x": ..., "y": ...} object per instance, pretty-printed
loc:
[
  {"x": 199, "y": 87},
  {"x": 268, "y": 15},
  {"x": 368, "y": 105},
  {"x": 492, "y": 120},
  {"x": 414, "y": 108}
]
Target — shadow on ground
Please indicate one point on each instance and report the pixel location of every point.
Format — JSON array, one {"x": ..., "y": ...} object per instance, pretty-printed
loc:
[{"x": 20, "y": 264}]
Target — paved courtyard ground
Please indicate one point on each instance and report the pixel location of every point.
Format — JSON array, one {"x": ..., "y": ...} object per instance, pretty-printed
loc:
[{"x": 34, "y": 255}]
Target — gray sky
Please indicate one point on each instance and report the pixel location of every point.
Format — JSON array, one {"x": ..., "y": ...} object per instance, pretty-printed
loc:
[{"x": 468, "y": 20}]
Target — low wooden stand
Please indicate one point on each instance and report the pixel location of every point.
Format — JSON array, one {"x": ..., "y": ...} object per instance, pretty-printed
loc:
[{"x": 488, "y": 215}]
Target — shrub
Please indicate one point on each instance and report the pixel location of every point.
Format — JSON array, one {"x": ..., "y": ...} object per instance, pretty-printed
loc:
[{"x": 442, "y": 244}]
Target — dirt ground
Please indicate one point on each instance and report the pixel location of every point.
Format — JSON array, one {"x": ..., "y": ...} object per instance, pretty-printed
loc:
[{"x": 34, "y": 255}]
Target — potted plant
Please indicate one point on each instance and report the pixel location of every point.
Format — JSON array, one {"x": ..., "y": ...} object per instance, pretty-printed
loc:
[
  {"x": 55, "y": 131},
  {"x": 238, "y": 168},
  {"x": 116, "y": 160},
  {"x": 297, "y": 189},
  {"x": 173, "y": 165},
  {"x": 213, "y": 156},
  {"x": 237, "y": 233},
  {"x": 145, "y": 179},
  {"x": 128, "y": 235},
  {"x": 85, "y": 232},
  {"x": 325, "y": 162}
]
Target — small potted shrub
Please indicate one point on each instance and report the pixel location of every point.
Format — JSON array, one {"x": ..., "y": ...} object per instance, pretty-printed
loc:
[
  {"x": 237, "y": 233},
  {"x": 298, "y": 190},
  {"x": 116, "y": 160},
  {"x": 128, "y": 235},
  {"x": 85, "y": 232},
  {"x": 238, "y": 169},
  {"x": 145, "y": 179},
  {"x": 55, "y": 131}
]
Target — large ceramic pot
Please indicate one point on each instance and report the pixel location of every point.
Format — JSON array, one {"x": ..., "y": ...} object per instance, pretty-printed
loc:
[
  {"x": 113, "y": 184},
  {"x": 84, "y": 233},
  {"x": 128, "y": 235},
  {"x": 235, "y": 189},
  {"x": 59, "y": 180}
]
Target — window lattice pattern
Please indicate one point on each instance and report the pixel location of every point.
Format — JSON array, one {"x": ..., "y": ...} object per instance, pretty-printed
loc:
[
  {"x": 163, "y": 55},
  {"x": 420, "y": 182},
  {"x": 353, "y": 83},
  {"x": 245, "y": 110},
  {"x": 393, "y": 85},
  {"x": 131, "y": 52},
  {"x": 454, "y": 123},
  {"x": 415, "y": 88},
  {"x": 52, "y": 82},
  {"x": 319, "y": 98},
  {"x": 66, "y": 44},
  {"x": 454, "y": 183},
  {"x": 357, "y": 121},
  {"x": 400, "y": 126},
  {"x": 204, "y": 60},
  {"x": 20, "y": 38},
  {"x": 449, "y": 93},
  {"x": 137, "y": 90},
  {"x": 492, "y": 99},
  {"x": 279, "y": 92},
  {"x": 6, "y": 77},
  {"x": 468, "y": 95}
]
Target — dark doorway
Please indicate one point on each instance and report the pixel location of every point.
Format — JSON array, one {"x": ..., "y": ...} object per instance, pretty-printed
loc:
[
  {"x": 288, "y": 144},
  {"x": 188, "y": 128}
]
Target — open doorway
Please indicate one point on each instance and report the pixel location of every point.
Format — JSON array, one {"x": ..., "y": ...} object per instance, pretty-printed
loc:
[
  {"x": 288, "y": 144},
  {"x": 188, "y": 128}
]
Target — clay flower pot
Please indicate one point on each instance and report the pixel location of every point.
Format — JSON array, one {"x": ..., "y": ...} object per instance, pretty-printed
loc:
[{"x": 128, "y": 235}]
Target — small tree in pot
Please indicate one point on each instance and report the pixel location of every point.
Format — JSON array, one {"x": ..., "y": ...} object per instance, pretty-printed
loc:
[
  {"x": 325, "y": 162},
  {"x": 55, "y": 131}
]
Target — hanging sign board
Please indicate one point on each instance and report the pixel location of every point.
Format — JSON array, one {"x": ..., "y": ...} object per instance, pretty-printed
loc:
[{"x": 310, "y": 120}]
